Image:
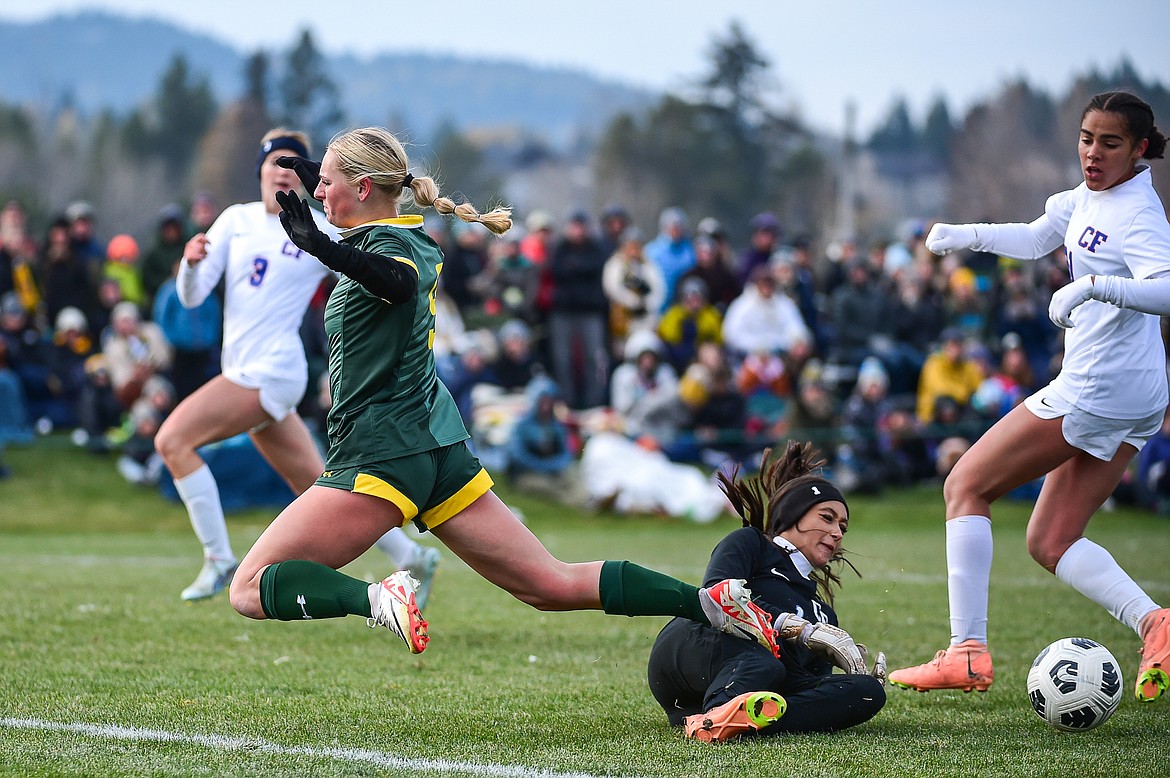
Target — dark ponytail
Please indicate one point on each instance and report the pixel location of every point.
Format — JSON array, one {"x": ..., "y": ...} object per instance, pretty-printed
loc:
[
  {"x": 759, "y": 501},
  {"x": 1137, "y": 115}
]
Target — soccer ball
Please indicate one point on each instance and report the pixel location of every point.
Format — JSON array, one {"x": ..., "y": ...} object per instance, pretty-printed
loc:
[{"x": 1075, "y": 684}]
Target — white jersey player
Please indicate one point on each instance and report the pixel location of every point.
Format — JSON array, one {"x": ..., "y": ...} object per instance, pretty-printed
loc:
[
  {"x": 1082, "y": 430},
  {"x": 268, "y": 284}
]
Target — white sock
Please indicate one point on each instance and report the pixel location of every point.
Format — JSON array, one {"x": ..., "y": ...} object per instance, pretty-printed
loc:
[
  {"x": 399, "y": 546},
  {"x": 200, "y": 494},
  {"x": 968, "y": 576},
  {"x": 1093, "y": 572}
]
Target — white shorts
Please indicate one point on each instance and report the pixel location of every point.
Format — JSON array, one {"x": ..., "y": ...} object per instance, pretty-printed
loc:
[
  {"x": 1093, "y": 434},
  {"x": 278, "y": 396}
]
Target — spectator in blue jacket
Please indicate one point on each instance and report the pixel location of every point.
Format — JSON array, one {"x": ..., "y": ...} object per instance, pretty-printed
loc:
[
  {"x": 672, "y": 251},
  {"x": 195, "y": 334},
  {"x": 539, "y": 443}
]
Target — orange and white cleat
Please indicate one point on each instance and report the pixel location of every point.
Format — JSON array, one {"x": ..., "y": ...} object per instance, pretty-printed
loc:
[
  {"x": 395, "y": 609},
  {"x": 1153, "y": 678},
  {"x": 728, "y": 606},
  {"x": 748, "y": 712},
  {"x": 965, "y": 666}
]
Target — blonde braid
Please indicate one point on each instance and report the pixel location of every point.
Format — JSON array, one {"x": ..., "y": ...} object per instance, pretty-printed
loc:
[{"x": 374, "y": 152}]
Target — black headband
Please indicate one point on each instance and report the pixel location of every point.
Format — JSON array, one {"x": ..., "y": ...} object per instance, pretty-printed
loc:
[
  {"x": 282, "y": 142},
  {"x": 796, "y": 503}
]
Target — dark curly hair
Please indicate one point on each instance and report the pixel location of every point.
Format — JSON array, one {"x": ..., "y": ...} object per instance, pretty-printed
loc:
[{"x": 757, "y": 501}]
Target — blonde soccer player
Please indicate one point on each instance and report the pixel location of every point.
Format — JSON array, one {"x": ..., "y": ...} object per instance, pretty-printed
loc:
[
  {"x": 268, "y": 283},
  {"x": 397, "y": 446}
]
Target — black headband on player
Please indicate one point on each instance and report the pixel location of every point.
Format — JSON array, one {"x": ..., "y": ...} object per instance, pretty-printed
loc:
[
  {"x": 406, "y": 179},
  {"x": 796, "y": 503},
  {"x": 282, "y": 142}
]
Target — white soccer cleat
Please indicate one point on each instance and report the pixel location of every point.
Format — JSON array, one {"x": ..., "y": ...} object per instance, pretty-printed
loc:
[
  {"x": 394, "y": 607},
  {"x": 215, "y": 576},
  {"x": 423, "y": 569}
]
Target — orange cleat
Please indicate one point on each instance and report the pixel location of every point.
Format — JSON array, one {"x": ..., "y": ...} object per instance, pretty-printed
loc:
[
  {"x": 396, "y": 610},
  {"x": 964, "y": 666},
  {"x": 728, "y": 606},
  {"x": 1152, "y": 680},
  {"x": 748, "y": 712}
]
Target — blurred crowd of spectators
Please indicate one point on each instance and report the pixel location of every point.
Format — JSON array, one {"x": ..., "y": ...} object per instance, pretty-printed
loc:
[{"x": 890, "y": 359}]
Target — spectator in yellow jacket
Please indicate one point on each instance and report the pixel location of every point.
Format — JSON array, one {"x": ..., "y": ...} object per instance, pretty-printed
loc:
[
  {"x": 691, "y": 321},
  {"x": 947, "y": 372}
]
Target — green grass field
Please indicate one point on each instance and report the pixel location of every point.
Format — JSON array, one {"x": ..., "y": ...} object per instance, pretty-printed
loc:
[{"x": 104, "y": 672}]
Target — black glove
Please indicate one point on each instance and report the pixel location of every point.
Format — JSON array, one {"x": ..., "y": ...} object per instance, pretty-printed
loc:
[
  {"x": 297, "y": 220},
  {"x": 395, "y": 282},
  {"x": 306, "y": 169}
]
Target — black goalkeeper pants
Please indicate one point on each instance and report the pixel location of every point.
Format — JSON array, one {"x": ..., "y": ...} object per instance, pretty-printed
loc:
[{"x": 694, "y": 668}]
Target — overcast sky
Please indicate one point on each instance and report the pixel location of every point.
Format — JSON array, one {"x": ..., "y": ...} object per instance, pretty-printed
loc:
[{"x": 823, "y": 54}]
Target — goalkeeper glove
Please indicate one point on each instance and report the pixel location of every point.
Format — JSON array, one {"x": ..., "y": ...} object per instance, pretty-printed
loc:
[{"x": 826, "y": 639}]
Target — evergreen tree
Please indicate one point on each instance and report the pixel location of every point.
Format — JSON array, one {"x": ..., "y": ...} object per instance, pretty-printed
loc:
[
  {"x": 897, "y": 134},
  {"x": 227, "y": 152},
  {"x": 256, "y": 79},
  {"x": 938, "y": 131},
  {"x": 170, "y": 126},
  {"x": 735, "y": 80},
  {"x": 309, "y": 99},
  {"x": 724, "y": 155}
]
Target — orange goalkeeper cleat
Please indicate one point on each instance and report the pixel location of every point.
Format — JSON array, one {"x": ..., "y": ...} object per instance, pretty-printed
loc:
[
  {"x": 748, "y": 712},
  {"x": 1152, "y": 680},
  {"x": 965, "y": 666}
]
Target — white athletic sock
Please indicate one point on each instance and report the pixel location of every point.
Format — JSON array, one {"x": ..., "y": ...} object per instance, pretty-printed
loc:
[
  {"x": 200, "y": 494},
  {"x": 399, "y": 546},
  {"x": 1093, "y": 572},
  {"x": 968, "y": 576}
]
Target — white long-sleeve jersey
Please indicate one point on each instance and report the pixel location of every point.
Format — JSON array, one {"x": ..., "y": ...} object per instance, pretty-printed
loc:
[
  {"x": 268, "y": 284},
  {"x": 1114, "y": 363}
]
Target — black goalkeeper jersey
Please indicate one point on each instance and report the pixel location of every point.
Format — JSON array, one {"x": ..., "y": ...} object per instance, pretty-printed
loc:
[{"x": 778, "y": 587}]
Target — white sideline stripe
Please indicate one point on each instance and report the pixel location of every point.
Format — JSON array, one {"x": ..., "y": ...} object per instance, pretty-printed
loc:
[{"x": 379, "y": 758}]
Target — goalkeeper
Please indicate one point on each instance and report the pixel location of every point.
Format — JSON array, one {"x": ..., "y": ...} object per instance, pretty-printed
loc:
[{"x": 718, "y": 688}]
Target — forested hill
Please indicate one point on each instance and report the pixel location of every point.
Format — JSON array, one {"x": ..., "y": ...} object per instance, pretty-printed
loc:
[{"x": 95, "y": 61}]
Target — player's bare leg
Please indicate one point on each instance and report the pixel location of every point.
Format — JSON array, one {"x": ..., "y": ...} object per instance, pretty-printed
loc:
[
  {"x": 216, "y": 411},
  {"x": 309, "y": 541},
  {"x": 1018, "y": 449}
]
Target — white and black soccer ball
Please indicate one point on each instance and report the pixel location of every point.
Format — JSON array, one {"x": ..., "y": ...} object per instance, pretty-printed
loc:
[{"x": 1075, "y": 684}]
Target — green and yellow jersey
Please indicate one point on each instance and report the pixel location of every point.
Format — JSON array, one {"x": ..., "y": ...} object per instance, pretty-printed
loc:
[{"x": 387, "y": 399}]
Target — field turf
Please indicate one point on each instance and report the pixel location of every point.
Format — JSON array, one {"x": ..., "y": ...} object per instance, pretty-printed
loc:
[{"x": 105, "y": 672}]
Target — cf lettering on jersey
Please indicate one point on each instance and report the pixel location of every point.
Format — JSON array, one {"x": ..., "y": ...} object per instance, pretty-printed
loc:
[
  {"x": 290, "y": 250},
  {"x": 1091, "y": 239}
]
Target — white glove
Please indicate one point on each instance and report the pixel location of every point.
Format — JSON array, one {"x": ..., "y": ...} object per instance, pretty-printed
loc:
[
  {"x": 826, "y": 639},
  {"x": 1067, "y": 298},
  {"x": 879, "y": 664},
  {"x": 944, "y": 238}
]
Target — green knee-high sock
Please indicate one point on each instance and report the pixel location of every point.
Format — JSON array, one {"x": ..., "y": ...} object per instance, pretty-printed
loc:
[
  {"x": 297, "y": 590},
  {"x": 630, "y": 590}
]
